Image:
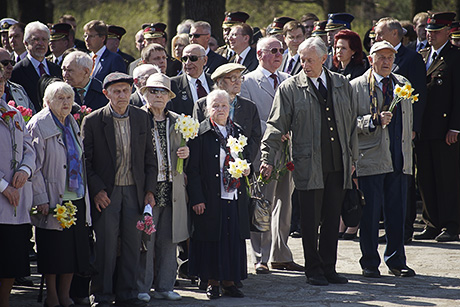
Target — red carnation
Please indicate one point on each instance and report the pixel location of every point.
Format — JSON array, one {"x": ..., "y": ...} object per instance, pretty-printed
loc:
[{"x": 290, "y": 166}]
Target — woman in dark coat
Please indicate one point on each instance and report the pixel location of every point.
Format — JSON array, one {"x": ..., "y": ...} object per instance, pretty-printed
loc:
[
  {"x": 220, "y": 214},
  {"x": 348, "y": 57}
]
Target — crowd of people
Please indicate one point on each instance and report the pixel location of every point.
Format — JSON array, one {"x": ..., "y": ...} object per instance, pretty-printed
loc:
[{"x": 97, "y": 177}]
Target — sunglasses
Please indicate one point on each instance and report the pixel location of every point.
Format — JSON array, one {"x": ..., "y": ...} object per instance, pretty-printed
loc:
[
  {"x": 192, "y": 58},
  {"x": 6, "y": 62},
  {"x": 275, "y": 50},
  {"x": 155, "y": 90},
  {"x": 195, "y": 35}
]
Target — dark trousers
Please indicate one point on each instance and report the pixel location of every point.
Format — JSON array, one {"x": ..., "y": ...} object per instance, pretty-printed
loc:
[
  {"x": 439, "y": 182},
  {"x": 295, "y": 217},
  {"x": 323, "y": 207},
  {"x": 387, "y": 191}
]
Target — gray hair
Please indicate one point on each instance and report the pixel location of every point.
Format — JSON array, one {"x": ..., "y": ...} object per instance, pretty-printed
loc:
[
  {"x": 35, "y": 26},
  {"x": 264, "y": 41},
  {"x": 184, "y": 26},
  {"x": 392, "y": 24},
  {"x": 315, "y": 43},
  {"x": 202, "y": 24},
  {"x": 81, "y": 59},
  {"x": 144, "y": 68},
  {"x": 215, "y": 94},
  {"x": 57, "y": 87}
]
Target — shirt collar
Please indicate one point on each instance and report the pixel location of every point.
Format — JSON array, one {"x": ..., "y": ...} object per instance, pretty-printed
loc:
[
  {"x": 267, "y": 73},
  {"x": 245, "y": 52},
  {"x": 99, "y": 52},
  {"x": 440, "y": 48},
  {"x": 35, "y": 62},
  {"x": 397, "y": 46},
  {"x": 115, "y": 114},
  {"x": 192, "y": 80},
  {"x": 207, "y": 50},
  {"x": 323, "y": 78}
]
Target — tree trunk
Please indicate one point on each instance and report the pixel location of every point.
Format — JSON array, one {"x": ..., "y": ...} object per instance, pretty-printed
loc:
[
  {"x": 211, "y": 11},
  {"x": 32, "y": 10},
  {"x": 334, "y": 6},
  {"x": 174, "y": 18},
  {"x": 420, "y": 6}
]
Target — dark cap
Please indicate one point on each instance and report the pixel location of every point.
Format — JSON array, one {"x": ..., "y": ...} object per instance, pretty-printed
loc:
[
  {"x": 319, "y": 28},
  {"x": 117, "y": 77},
  {"x": 233, "y": 18},
  {"x": 154, "y": 30},
  {"x": 455, "y": 30},
  {"x": 115, "y": 32},
  {"x": 277, "y": 25},
  {"x": 438, "y": 21},
  {"x": 339, "y": 21},
  {"x": 59, "y": 31},
  {"x": 6, "y": 23}
]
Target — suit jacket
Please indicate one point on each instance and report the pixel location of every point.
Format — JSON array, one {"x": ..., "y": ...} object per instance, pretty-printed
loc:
[
  {"x": 25, "y": 74},
  {"x": 442, "y": 110},
  {"x": 173, "y": 66},
  {"x": 133, "y": 65},
  {"x": 214, "y": 61},
  {"x": 295, "y": 69},
  {"x": 136, "y": 100},
  {"x": 250, "y": 61},
  {"x": 80, "y": 45},
  {"x": 126, "y": 58},
  {"x": 183, "y": 102},
  {"x": 101, "y": 158},
  {"x": 94, "y": 98},
  {"x": 109, "y": 62},
  {"x": 409, "y": 64},
  {"x": 225, "y": 51},
  {"x": 246, "y": 116},
  {"x": 20, "y": 96}
]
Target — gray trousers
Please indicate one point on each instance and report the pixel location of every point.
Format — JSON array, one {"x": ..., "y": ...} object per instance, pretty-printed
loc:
[
  {"x": 117, "y": 220},
  {"x": 159, "y": 263},
  {"x": 272, "y": 245}
]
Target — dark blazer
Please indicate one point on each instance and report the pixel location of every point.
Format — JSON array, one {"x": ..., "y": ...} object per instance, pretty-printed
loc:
[
  {"x": 94, "y": 98},
  {"x": 250, "y": 61},
  {"x": 80, "y": 45},
  {"x": 101, "y": 158},
  {"x": 183, "y": 102},
  {"x": 214, "y": 61},
  {"x": 126, "y": 58},
  {"x": 295, "y": 69},
  {"x": 25, "y": 74},
  {"x": 351, "y": 71},
  {"x": 225, "y": 51},
  {"x": 442, "y": 110},
  {"x": 409, "y": 64},
  {"x": 173, "y": 67},
  {"x": 246, "y": 116},
  {"x": 203, "y": 173},
  {"x": 135, "y": 100},
  {"x": 133, "y": 65},
  {"x": 110, "y": 62}
]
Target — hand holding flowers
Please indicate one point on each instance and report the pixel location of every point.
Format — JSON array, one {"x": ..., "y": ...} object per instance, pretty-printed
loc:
[
  {"x": 147, "y": 224},
  {"x": 188, "y": 127},
  {"x": 399, "y": 93}
]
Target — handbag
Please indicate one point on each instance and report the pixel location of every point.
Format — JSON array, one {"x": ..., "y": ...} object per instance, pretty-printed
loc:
[
  {"x": 352, "y": 207},
  {"x": 260, "y": 209}
]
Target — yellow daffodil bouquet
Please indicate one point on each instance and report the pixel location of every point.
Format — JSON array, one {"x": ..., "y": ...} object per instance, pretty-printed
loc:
[
  {"x": 402, "y": 92},
  {"x": 187, "y": 126},
  {"x": 65, "y": 214},
  {"x": 240, "y": 164}
]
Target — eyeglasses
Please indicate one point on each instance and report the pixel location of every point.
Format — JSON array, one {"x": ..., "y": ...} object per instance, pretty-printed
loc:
[
  {"x": 192, "y": 58},
  {"x": 6, "y": 62},
  {"x": 275, "y": 50},
  {"x": 156, "y": 90},
  {"x": 233, "y": 79},
  {"x": 196, "y": 35}
]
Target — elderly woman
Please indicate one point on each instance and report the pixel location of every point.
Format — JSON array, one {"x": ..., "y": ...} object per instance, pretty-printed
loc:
[
  {"x": 170, "y": 211},
  {"x": 178, "y": 44},
  {"x": 17, "y": 163},
  {"x": 244, "y": 112},
  {"x": 60, "y": 178},
  {"x": 348, "y": 58},
  {"x": 219, "y": 203}
]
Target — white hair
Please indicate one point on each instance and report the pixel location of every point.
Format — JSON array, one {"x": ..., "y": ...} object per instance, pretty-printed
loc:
[
  {"x": 57, "y": 87},
  {"x": 81, "y": 59},
  {"x": 215, "y": 94},
  {"x": 35, "y": 26},
  {"x": 144, "y": 68},
  {"x": 202, "y": 24},
  {"x": 315, "y": 43},
  {"x": 264, "y": 41}
]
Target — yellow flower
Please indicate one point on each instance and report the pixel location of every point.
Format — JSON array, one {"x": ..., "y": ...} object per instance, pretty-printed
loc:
[
  {"x": 243, "y": 140},
  {"x": 414, "y": 98},
  {"x": 60, "y": 209},
  {"x": 397, "y": 90}
]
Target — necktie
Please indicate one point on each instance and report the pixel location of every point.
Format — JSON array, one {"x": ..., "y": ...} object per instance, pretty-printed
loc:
[
  {"x": 41, "y": 68},
  {"x": 322, "y": 89},
  {"x": 433, "y": 57},
  {"x": 420, "y": 46},
  {"x": 239, "y": 59},
  {"x": 56, "y": 61},
  {"x": 201, "y": 92},
  {"x": 290, "y": 66},
  {"x": 275, "y": 81},
  {"x": 387, "y": 89},
  {"x": 81, "y": 93},
  {"x": 94, "y": 63},
  {"x": 18, "y": 59}
]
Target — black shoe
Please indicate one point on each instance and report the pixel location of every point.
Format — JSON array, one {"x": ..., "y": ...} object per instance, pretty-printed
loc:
[
  {"x": 371, "y": 272},
  {"x": 203, "y": 284},
  {"x": 446, "y": 236},
  {"x": 239, "y": 284},
  {"x": 341, "y": 234},
  {"x": 429, "y": 233},
  {"x": 317, "y": 280},
  {"x": 335, "y": 278},
  {"x": 213, "y": 292},
  {"x": 133, "y": 302},
  {"x": 296, "y": 234},
  {"x": 349, "y": 236},
  {"x": 403, "y": 272},
  {"x": 232, "y": 291},
  {"x": 23, "y": 281}
]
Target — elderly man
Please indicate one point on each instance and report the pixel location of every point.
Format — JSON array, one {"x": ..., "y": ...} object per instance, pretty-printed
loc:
[
  {"x": 437, "y": 148},
  {"x": 294, "y": 35},
  {"x": 105, "y": 61},
  {"x": 121, "y": 179},
  {"x": 193, "y": 84},
  {"x": 31, "y": 68},
  {"x": 200, "y": 33},
  {"x": 240, "y": 39},
  {"x": 155, "y": 54},
  {"x": 59, "y": 42},
  {"x": 316, "y": 107},
  {"x": 385, "y": 161},
  {"x": 140, "y": 74},
  {"x": 113, "y": 43},
  {"x": 16, "y": 39},
  {"x": 76, "y": 71},
  {"x": 260, "y": 86}
]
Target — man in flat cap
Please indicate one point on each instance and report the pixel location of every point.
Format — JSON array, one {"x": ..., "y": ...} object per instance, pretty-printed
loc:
[
  {"x": 437, "y": 148},
  {"x": 105, "y": 61},
  {"x": 122, "y": 177},
  {"x": 59, "y": 42},
  {"x": 16, "y": 39},
  {"x": 231, "y": 19},
  {"x": 385, "y": 161},
  {"x": 5, "y": 24},
  {"x": 113, "y": 43}
]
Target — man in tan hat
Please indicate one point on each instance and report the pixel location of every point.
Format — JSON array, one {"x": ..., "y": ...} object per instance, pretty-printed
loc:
[{"x": 385, "y": 161}]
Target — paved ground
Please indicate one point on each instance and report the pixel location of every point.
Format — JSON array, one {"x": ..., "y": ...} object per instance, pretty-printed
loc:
[{"x": 437, "y": 283}]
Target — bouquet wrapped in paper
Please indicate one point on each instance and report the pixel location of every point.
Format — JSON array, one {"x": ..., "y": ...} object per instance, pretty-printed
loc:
[
  {"x": 147, "y": 224},
  {"x": 188, "y": 127}
]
